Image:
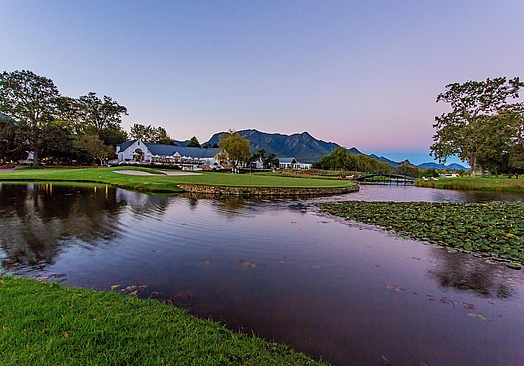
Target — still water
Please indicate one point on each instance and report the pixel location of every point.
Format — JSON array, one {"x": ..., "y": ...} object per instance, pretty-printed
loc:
[{"x": 337, "y": 291}]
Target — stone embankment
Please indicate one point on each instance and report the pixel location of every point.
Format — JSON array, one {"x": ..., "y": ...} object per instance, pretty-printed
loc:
[{"x": 265, "y": 191}]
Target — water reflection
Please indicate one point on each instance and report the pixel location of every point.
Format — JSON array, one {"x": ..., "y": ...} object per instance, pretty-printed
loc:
[
  {"x": 37, "y": 220},
  {"x": 276, "y": 268},
  {"x": 413, "y": 194},
  {"x": 466, "y": 273}
]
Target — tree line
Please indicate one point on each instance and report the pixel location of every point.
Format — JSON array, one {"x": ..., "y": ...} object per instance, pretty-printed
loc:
[
  {"x": 482, "y": 128},
  {"x": 342, "y": 159},
  {"x": 36, "y": 119}
]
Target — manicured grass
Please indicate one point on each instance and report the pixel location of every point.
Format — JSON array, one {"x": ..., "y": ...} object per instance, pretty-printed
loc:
[
  {"x": 165, "y": 183},
  {"x": 49, "y": 324},
  {"x": 502, "y": 184},
  {"x": 493, "y": 229}
]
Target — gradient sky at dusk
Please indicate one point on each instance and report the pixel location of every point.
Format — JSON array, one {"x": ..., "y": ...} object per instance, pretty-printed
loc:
[{"x": 358, "y": 73}]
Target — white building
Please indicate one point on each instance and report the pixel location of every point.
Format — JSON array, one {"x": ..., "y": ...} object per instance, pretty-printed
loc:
[
  {"x": 292, "y": 163},
  {"x": 138, "y": 152}
]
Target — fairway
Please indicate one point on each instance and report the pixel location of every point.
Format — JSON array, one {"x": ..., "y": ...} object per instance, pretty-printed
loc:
[{"x": 158, "y": 181}]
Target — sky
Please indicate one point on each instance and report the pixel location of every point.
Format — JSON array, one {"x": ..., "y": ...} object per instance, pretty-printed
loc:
[{"x": 363, "y": 74}]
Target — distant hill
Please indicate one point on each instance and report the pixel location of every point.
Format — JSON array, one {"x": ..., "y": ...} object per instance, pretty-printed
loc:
[
  {"x": 301, "y": 146},
  {"x": 432, "y": 165},
  {"x": 383, "y": 159},
  {"x": 179, "y": 143},
  {"x": 305, "y": 148}
]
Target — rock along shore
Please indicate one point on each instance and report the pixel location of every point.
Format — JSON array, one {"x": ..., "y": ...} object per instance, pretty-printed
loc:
[{"x": 265, "y": 191}]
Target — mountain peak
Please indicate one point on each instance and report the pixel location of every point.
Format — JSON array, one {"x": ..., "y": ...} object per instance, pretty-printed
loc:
[{"x": 301, "y": 146}]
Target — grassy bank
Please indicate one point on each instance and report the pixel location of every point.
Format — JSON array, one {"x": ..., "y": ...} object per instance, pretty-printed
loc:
[
  {"x": 48, "y": 324},
  {"x": 493, "y": 230},
  {"x": 159, "y": 182},
  {"x": 502, "y": 184}
]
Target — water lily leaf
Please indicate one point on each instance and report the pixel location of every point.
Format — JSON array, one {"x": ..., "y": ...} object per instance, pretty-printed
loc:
[
  {"x": 249, "y": 265},
  {"x": 114, "y": 286}
]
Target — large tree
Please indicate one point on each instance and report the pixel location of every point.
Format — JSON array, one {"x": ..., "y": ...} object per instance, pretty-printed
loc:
[
  {"x": 101, "y": 117},
  {"x": 13, "y": 139},
  {"x": 32, "y": 101},
  {"x": 150, "y": 134},
  {"x": 472, "y": 103},
  {"x": 236, "y": 147},
  {"x": 100, "y": 114}
]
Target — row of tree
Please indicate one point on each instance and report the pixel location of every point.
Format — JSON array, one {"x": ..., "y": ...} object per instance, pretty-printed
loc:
[
  {"x": 342, "y": 159},
  {"x": 36, "y": 119},
  {"x": 482, "y": 128}
]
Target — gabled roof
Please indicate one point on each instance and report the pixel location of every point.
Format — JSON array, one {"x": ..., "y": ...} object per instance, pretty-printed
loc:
[
  {"x": 125, "y": 145},
  {"x": 170, "y": 150},
  {"x": 287, "y": 160},
  {"x": 194, "y": 152}
]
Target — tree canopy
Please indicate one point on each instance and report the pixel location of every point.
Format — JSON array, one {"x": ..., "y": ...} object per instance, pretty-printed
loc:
[
  {"x": 32, "y": 101},
  {"x": 193, "y": 142},
  {"x": 475, "y": 117},
  {"x": 235, "y": 146},
  {"x": 150, "y": 134},
  {"x": 37, "y": 119},
  {"x": 342, "y": 159}
]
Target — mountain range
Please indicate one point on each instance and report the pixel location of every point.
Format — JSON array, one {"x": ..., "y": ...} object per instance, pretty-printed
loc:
[{"x": 305, "y": 148}]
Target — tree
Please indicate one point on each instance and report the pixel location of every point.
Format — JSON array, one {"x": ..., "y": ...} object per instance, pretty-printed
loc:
[
  {"x": 496, "y": 135},
  {"x": 58, "y": 142},
  {"x": 162, "y": 137},
  {"x": 193, "y": 142},
  {"x": 406, "y": 168},
  {"x": 338, "y": 159},
  {"x": 32, "y": 101},
  {"x": 150, "y": 134},
  {"x": 113, "y": 136},
  {"x": 94, "y": 147},
  {"x": 236, "y": 147},
  {"x": 100, "y": 114},
  {"x": 459, "y": 132},
  {"x": 270, "y": 161},
  {"x": 516, "y": 144},
  {"x": 13, "y": 139}
]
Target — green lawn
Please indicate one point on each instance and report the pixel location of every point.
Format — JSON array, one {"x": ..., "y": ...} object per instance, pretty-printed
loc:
[
  {"x": 159, "y": 182},
  {"x": 49, "y": 324},
  {"x": 493, "y": 230},
  {"x": 502, "y": 184}
]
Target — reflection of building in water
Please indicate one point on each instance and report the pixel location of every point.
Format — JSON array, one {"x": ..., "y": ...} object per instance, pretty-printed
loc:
[
  {"x": 141, "y": 202},
  {"x": 464, "y": 272}
]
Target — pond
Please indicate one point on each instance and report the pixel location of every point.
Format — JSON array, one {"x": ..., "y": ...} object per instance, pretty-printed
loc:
[{"x": 337, "y": 291}]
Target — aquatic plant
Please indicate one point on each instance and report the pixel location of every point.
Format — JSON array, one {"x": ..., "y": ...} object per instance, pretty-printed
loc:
[{"x": 492, "y": 229}]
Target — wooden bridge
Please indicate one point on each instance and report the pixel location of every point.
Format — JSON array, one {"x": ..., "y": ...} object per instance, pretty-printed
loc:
[{"x": 385, "y": 178}]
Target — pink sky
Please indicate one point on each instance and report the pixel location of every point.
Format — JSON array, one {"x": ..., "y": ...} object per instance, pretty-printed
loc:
[{"x": 358, "y": 73}]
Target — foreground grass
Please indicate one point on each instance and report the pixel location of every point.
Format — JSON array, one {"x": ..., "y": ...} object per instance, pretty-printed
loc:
[
  {"x": 477, "y": 184},
  {"x": 158, "y": 182},
  {"x": 494, "y": 229},
  {"x": 48, "y": 324}
]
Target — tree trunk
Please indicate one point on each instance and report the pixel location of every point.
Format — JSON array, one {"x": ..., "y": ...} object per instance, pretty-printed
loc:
[
  {"x": 36, "y": 159},
  {"x": 472, "y": 163}
]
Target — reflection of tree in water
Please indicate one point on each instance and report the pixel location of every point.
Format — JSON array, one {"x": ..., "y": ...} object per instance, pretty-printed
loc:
[
  {"x": 467, "y": 273},
  {"x": 229, "y": 206},
  {"x": 299, "y": 206},
  {"x": 36, "y": 220}
]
